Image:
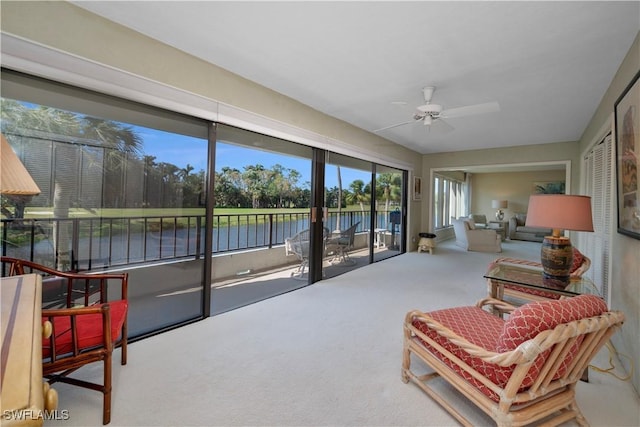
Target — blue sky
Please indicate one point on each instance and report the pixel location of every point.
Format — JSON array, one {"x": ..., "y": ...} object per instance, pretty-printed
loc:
[{"x": 181, "y": 150}]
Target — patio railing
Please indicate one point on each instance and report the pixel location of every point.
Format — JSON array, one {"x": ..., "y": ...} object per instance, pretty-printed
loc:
[{"x": 97, "y": 243}]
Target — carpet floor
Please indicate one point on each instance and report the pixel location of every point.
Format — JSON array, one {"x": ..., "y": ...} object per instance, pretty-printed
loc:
[{"x": 325, "y": 355}]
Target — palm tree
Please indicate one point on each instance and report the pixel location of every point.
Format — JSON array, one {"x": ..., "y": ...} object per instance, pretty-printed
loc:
[
  {"x": 115, "y": 139},
  {"x": 357, "y": 194},
  {"x": 339, "y": 199}
]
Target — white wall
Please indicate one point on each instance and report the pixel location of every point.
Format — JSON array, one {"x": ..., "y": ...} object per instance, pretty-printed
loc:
[
  {"x": 83, "y": 36},
  {"x": 625, "y": 251},
  {"x": 514, "y": 187},
  {"x": 556, "y": 153}
]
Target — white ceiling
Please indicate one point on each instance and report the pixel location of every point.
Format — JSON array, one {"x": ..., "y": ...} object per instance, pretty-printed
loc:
[{"x": 547, "y": 64}]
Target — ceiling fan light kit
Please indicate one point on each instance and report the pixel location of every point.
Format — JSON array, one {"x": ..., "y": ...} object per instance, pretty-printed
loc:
[{"x": 428, "y": 113}]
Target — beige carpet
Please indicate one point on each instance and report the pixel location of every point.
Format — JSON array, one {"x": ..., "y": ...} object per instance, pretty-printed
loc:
[{"x": 326, "y": 355}]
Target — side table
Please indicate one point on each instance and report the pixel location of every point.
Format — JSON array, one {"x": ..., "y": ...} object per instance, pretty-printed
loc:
[
  {"x": 427, "y": 242},
  {"x": 501, "y": 227}
]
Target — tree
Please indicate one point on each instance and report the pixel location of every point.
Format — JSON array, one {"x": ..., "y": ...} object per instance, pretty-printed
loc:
[
  {"x": 357, "y": 194},
  {"x": 254, "y": 179},
  {"x": 388, "y": 187},
  {"x": 115, "y": 138},
  {"x": 339, "y": 199}
]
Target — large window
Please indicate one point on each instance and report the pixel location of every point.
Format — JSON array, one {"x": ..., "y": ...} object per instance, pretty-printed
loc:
[
  {"x": 122, "y": 187},
  {"x": 450, "y": 200},
  {"x": 201, "y": 215}
]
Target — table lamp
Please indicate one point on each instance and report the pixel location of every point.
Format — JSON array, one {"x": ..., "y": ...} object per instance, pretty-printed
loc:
[
  {"x": 499, "y": 204},
  {"x": 14, "y": 179},
  {"x": 558, "y": 212}
]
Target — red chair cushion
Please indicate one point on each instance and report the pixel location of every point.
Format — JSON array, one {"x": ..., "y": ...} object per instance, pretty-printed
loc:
[
  {"x": 533, "y": 291},
  {"x": 89, "y": 329},
  {"x": 578, "y": 259},
  {"x": 478, "y": 327},
  {"x": 529, "y": 320}
]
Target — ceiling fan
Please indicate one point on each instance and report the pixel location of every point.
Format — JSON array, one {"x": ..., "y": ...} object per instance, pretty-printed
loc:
[{"x": 429, "y": 113}]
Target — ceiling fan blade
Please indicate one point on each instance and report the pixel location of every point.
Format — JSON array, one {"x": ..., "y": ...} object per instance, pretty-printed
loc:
[
  {"x": 443, "y": 126},
  {"x": 396, "y": 125},
  {"x": 489, "y": 107}
]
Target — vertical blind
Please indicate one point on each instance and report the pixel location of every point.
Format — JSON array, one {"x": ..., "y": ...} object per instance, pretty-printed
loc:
[{"x": 600, "y": 186}]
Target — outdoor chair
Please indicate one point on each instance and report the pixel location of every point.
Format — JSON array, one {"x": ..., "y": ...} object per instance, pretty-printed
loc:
[
  {"x": 298, "y": 245},
  {"x": 518, "y": 371},
  {"x": 83, "y": 312},
  {"x": 581, "y": 264},
  {"x": 340, "y": 245}
]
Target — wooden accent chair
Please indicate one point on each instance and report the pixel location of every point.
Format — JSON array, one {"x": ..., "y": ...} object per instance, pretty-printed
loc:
[
  {"x": 83, "y": 312},
  {"x": 581, "y": 264},
  {"x": 518, "y": 371},
  {"x": 341, "y": 244}
]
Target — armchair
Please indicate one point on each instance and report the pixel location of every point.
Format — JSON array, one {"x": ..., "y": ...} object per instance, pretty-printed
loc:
[
  {"x": 471, "y": 239},
  {"x": 479, "y": 220},
  {"x": 341, "y": 244},
  {"x": 298, "y": 245},
  {"x": 518, "y": 371},
  {"x": 82, "y": 315}
]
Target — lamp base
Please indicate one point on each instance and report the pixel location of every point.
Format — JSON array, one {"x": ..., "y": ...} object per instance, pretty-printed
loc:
[
  {"x": 557, "y": 257},
  {"x": 499, "y": 215}
]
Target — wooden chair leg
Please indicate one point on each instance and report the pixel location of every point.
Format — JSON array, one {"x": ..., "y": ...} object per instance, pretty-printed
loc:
[
  {"x": 123, "y": 347},
  {"x": 106, "y": 399}
]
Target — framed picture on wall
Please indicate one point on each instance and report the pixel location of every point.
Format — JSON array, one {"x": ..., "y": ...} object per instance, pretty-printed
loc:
[
  {"x": 627, "y": 125},
  {"x": 551, "y": 187},
  {"x": 417, "y": 188}
]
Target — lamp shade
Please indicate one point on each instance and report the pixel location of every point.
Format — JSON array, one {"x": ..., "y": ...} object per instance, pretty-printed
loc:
[
  {"x": 560, "y": 211},
  {"x": 499, "y": 204},
  {"x": 14, "y": 177}
]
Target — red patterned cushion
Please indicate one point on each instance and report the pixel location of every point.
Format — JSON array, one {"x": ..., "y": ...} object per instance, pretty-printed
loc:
[
  {"x": 478, "y": 327},
  {"x": 493, "y": 334},
  {"x": 89, "y": 328},
  {"x": 533, "y": 291},
  {"x": 529, "y": 320},
  {"x": 578, "y": 259}
]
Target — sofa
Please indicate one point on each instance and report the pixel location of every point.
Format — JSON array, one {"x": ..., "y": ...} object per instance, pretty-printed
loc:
[
  {"x": 478, "y": 240},
  {"x": 518, "y": 229}
]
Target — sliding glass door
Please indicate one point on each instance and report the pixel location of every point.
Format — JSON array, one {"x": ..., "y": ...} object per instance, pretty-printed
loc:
[
  {"x": 347, "y": 202},
  {"x": 121, "y": 189},
  {"x": 390, "y": 208},
  {"x": 262, "y": 218},
  {"x": 204, "y": 217}
]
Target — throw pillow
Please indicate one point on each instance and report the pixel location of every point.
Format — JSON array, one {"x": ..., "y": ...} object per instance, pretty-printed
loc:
[{"x": 529, "y": 320}]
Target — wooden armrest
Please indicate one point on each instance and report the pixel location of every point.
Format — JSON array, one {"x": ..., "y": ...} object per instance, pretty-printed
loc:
[
  {"x": 74, "y": 330},
  {"x": 78, "y": 285},
  {"x": 502, "y": 306}
]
